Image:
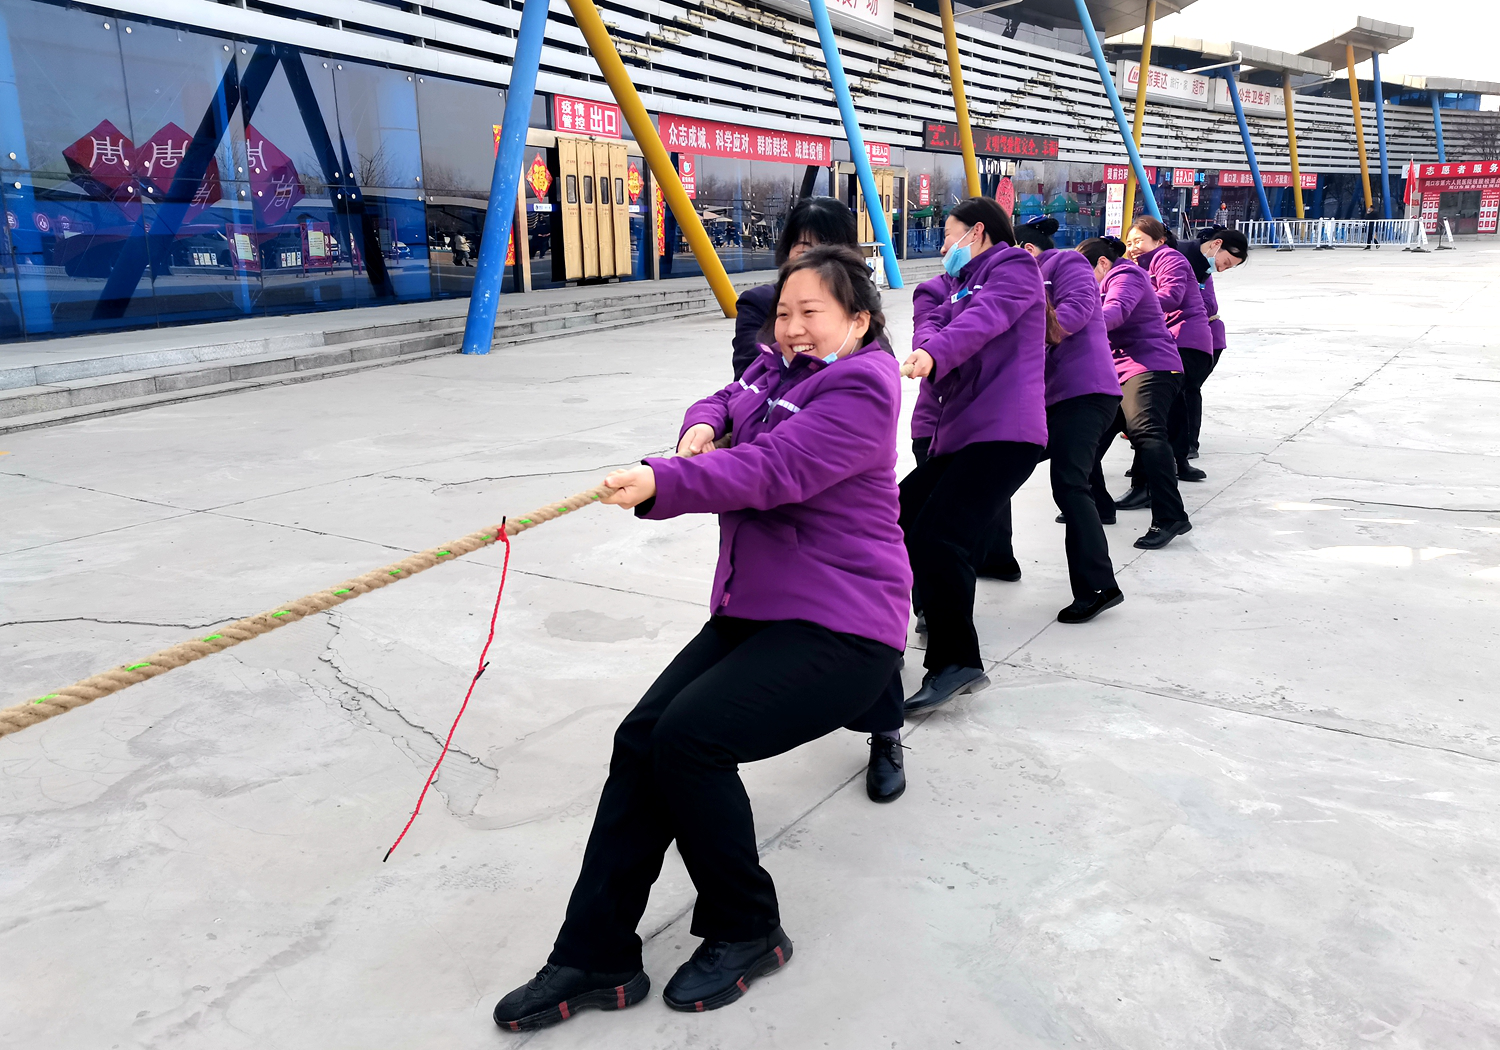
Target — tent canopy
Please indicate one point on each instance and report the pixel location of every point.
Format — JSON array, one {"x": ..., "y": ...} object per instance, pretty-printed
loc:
[
  {"x": 1109, "y": 16},
  {"x": 1369, "y": 37}
]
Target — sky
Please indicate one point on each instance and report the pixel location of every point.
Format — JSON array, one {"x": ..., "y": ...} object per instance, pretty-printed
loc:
[{"x": 1454, "y": 38}]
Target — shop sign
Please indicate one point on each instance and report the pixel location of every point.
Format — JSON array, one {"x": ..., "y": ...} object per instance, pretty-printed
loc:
[
  {"x": 105, "y": 154},
  {"x": 633, "y": 182},
  {"x": 1255, "y": 98},
  {"x": 988, "y": 141},
  {"x": 1195, "y": 196},
  {"x": 275, "y": 186},
  {"x": 731, "y": 140},
  {"x": 687, "y": 171},
  {"x": 157, "y": 161},
  {"x": 539, "y": 177},
  {"x": 1184, "y": 177},
  {"x": 659, "y": 220},
  {"x": 1163, "y": 85},
  {"x": 1271, "y": 180},
  {"x": 1462, "y": 175},
  {"x": 924, "y": 191},
  {"x": 582, "y": 116},
  {"x": 1430, "y": 204},
  {"x": 880, "y": 154},
  {"x": 242, "y": 252},
  {"x": 1119, "y": 174},
  {"x": 871, "y": 18}
]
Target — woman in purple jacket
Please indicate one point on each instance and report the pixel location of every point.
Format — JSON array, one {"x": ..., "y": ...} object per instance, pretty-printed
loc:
[
  {"x": 980, "y": 348},
  {"x": 1215, "y": 251},
  {"x": 1150, "y": 373},
  {"x": 1149, "y": 243},
  {"x": 808, "y": 622}
]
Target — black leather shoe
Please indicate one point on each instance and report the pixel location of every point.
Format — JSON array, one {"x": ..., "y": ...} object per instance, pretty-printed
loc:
[
  {"x": 885, "y": 777},
  {"x": 1009, "y": 571},
  {"x": 556, "y": 993},
  {"x": 1061, "y": 520},
  {"x": 921, "y": 627},
  {"x": 1193, "y": 452},
  {"x": 721, "y": 971},
  {"x": 1085, "y": 609},
  {"x": 1135, "y": 499},
  {"x": 938, "y": 687},
  {"x": 1187, "y": 473},
  {"x": 1158, "y": 536}
]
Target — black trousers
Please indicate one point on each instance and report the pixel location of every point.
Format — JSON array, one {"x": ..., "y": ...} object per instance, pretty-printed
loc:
[
  {"x": 1074, "y": 429},
  {"x": 948, "y": 506},
  {"x": 1146, "y": 401},
  {"x": 1186, "y": 418},
  {"x": 741, "y": 691}
]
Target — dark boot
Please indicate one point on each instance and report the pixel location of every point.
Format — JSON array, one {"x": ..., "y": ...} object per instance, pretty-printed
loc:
[
  {"x": 721, "y": 971},
  {"x": 1135, "y": 499},
  {"x": 885, "y": 777},
  {"x": 556, "y": 993}
]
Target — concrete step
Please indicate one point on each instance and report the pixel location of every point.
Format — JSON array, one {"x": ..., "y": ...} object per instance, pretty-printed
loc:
[{"x": 28, "y": 408}]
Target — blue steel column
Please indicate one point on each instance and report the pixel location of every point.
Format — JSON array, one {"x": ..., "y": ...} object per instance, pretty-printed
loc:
[
  {"x": 1437, "y": 123},
  {"x": 873, "y": 203},
  {"x": 1385, "y": 171},
  {"x": 484, "y": 301},
  {"x": 1114, "y": 100},
  {"x": 1239, "y": 114}
]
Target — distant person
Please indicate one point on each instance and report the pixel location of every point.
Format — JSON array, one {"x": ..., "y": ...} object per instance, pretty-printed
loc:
[
  {"x": 813, "y": 221},
  {"x": 1223, "y": 217},
  {"x": 460, "y": 250},
  {"x": 1372, "y": 215}
]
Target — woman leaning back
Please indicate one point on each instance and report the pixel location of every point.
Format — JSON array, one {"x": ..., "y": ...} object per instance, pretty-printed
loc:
[{"x": 807, "y": 624}]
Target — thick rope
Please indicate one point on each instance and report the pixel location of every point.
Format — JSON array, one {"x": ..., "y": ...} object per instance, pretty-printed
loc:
[{"x": 17, "y": 717}]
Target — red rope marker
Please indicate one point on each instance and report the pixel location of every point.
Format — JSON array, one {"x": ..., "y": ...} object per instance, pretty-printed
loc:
[{"x": 504, "y": 568}]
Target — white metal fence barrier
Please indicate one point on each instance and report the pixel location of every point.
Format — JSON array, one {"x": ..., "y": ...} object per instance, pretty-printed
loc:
[{"x": 1291, "y": 234}]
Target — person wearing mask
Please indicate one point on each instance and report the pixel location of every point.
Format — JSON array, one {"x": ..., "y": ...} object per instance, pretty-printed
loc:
[
  {"x": 1215, "y": 250},
  {"x": 812, "y": 221},
  {"x": 1149, "y": 369},
  {"x": 808, "y": 622},
  {"x": 980, "y": 351},
  {"x": 1083, "y": 399},
  {"x": 1150, "y": 245}
]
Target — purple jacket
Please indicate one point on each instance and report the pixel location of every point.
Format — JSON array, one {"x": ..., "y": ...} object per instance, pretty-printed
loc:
[
  {"x": 1181, "y": 299},
  {"x": 986, "y": 330},
  {"x": 1203, "y": 273},
  {"x": 1081, "y": 363},
  {"x": 806, "y": 495},
  {"x": 1137, "y": 330}
]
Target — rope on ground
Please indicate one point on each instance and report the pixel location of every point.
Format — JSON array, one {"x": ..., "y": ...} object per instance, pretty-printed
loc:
[{"x": 17, "y": 717}]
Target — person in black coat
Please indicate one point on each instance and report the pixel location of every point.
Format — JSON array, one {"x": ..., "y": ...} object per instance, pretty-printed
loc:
[{"x": 813, "y": 221}]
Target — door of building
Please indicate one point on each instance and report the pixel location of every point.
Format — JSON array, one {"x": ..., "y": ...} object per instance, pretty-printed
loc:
[
  {"x": 595, "y": 208},
  {"x": 890, "y": 184}
]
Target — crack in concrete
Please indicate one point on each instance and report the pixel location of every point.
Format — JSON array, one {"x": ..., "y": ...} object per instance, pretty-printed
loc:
[
  {"x": 1406, "y": 506},
  {"x": 124, "y": 623}
]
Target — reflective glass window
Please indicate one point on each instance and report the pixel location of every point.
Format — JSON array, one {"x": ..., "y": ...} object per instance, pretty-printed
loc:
[{"x": 458, "y": 121}]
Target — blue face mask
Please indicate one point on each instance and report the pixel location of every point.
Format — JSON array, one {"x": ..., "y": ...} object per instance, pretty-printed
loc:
[{"x": 957, "y": 259}]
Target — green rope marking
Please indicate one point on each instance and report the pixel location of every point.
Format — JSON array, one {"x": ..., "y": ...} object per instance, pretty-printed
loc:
[
  {"x": 524, "y": 521},
  {"x": 443, "y": 553},
  {"x": 283, "y": 612},
  {"x": 213, "y": 637},
  {"x": 44, "y": 699},
  {"x": 342, "y": 590},
  {"x": 489, "y": 537},
  {"x": 395, "y": 572},
  {"x": 137, "y": 667}
]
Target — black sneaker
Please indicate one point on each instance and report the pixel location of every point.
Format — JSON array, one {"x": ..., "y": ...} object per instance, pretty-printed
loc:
[
  {"x": 885, "y": 777},
  {"x": 938, "y": 687},
  {"x": 721, "y": 971},
  {"x": 1158, "y": 536},
  {"x": 1138, "y": 498},
  {"x": 1085, "y": 609},
  {"x": 1009, "y": 571},
  {"x": 556, "y": 993}
]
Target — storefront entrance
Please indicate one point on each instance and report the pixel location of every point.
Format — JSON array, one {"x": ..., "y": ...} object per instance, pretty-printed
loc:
[{"x": 890, "y": 184}]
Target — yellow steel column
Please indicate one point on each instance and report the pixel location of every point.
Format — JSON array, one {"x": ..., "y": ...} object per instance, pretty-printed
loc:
[
  {"x": 960, "y": 101},
  {"x": 1359, "y": 127},
  {"x": 1140, "y": 109},
  {"x": 1291, "y": 140},
  {"x": 597, "y": 36}
]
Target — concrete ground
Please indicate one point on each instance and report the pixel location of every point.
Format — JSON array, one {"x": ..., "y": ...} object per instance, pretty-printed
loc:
[{"x": 1254, "y": 807}]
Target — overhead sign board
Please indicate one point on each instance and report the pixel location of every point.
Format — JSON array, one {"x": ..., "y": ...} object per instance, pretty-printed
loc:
[
  {"x": 1255, "y": 98},
  {"x": 988, "y": 142},
  {"x": 1163, "y": 85},
  {"x": 869, "y": 18},
  {"x": 1271, "y": 180},
  {"x": 711, "y": 138}
]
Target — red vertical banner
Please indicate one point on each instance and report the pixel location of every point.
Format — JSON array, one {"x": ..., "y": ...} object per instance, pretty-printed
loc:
[
  {"x": 1005, "y": 195},
  {"x": 660, "y": 220},
  {"x": 924, "y": 191},
  {"x": 687, "y": 171},
  {"x": 1489, "y": 208}
]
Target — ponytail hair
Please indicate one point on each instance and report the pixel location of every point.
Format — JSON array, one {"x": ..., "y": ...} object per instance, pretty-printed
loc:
[
  {"x": 982, "y": 209},
  {"x": 1038, "y": 232},
  {"x": 1234, "y": 242},
  {"x": 1096, "y": 248}
]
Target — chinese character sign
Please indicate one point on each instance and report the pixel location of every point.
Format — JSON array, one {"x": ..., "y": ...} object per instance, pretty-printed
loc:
[
  {"x": 687, "y": 171},
  {"x": 1119, "y": 174},
  {"x": 1464, "y": 175},
  {"x": 1164, "y": 85},
  {"x": 106, "y": 156},
  {"x": 581, "y": 116},
  {"x": 158, "y": 161},
  {"x": 680, "y": 134},
  {"x": 880, "y": 154},
  {"x": 924, "y": 191},
  {"x": 275, "y": 186},
  {"x": 988, "y": 142}
]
